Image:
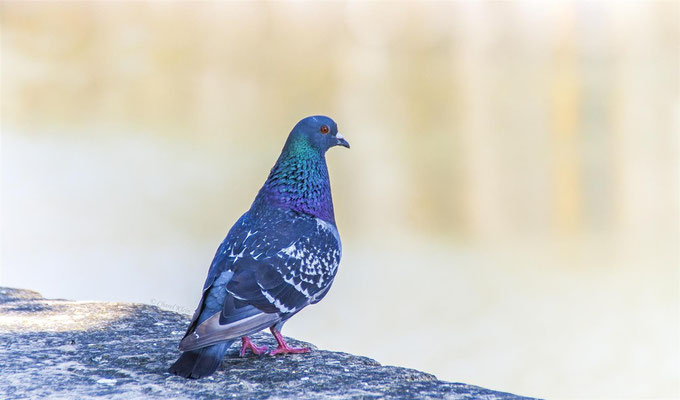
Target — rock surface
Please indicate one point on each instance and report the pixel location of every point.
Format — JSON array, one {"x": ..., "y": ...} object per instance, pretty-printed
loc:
[{"x": 59, "y": 349}]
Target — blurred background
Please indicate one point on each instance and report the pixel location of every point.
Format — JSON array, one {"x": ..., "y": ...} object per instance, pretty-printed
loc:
[{"x": 509, "y": 207}]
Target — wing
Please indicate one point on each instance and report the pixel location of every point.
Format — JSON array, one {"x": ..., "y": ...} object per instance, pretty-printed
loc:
[
  {"x": 297, "y": 275},
  {"x": 270, "y": 273}
]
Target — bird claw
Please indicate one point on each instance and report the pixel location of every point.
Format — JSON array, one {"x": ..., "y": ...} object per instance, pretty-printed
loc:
[
  {"x": 247, "y": 344},
  {"x": 283, "y": 347}
]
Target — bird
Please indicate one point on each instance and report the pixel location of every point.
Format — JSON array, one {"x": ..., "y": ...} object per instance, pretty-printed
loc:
[{"x": 279, "y": 257}]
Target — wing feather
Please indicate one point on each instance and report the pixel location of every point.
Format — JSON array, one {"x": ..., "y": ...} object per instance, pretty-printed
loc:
[
  {"x": 211, "y": 331},
  {"x": 262, "y": 276}
]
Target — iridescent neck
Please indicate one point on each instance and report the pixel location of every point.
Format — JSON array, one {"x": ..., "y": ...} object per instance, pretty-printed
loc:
[{"x": 299, "y": 182}]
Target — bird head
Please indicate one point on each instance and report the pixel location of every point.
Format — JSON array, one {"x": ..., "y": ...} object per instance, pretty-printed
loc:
[{"x": 318, "y": 133}]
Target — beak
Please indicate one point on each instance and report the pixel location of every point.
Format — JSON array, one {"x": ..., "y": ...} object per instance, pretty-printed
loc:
[{"x": 341, "y": 140}]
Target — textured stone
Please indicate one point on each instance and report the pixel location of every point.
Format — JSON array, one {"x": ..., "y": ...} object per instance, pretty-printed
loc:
[{"x": 61, "y": 349}]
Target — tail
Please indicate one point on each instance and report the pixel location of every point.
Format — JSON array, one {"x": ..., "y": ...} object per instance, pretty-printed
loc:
[{"x": 201, "y": 362}]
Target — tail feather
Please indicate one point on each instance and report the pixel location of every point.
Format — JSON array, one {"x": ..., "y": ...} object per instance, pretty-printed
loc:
[{"x": 201, "y": 362}]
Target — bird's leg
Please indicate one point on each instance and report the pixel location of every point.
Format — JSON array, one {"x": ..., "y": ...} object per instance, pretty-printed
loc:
[
  {"x": 247, "y": 344},
  {"x": 283, "y": 347}
]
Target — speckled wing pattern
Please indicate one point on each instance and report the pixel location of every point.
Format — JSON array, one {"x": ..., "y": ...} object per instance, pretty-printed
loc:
[
  {"x": 287, "y": 264},
  {"x": 272, "y": 264}
]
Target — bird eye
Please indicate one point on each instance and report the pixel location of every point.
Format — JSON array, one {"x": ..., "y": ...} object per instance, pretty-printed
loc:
[{"x": 324, "y": 129}]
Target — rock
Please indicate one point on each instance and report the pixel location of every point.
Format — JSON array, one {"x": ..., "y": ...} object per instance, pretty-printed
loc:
[{"x": 60, "y": 349}]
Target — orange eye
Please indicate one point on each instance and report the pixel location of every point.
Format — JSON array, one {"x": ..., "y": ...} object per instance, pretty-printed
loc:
[{"x": 324, "y": 129}]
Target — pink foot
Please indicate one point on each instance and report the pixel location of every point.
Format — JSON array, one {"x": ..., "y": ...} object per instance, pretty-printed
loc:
[
  {"x": 283, "y": 347},
  {"x": 247, "y": 344}
]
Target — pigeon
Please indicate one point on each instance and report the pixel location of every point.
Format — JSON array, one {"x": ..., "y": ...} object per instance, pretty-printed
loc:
[{"x": 279, "y": 257}]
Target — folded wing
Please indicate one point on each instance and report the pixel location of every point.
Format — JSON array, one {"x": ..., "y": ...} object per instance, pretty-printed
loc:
[{"x": 268, "y": 284}]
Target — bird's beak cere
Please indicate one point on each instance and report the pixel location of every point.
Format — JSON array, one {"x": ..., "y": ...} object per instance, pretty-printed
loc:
[{"x": 341, "y": 140}]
